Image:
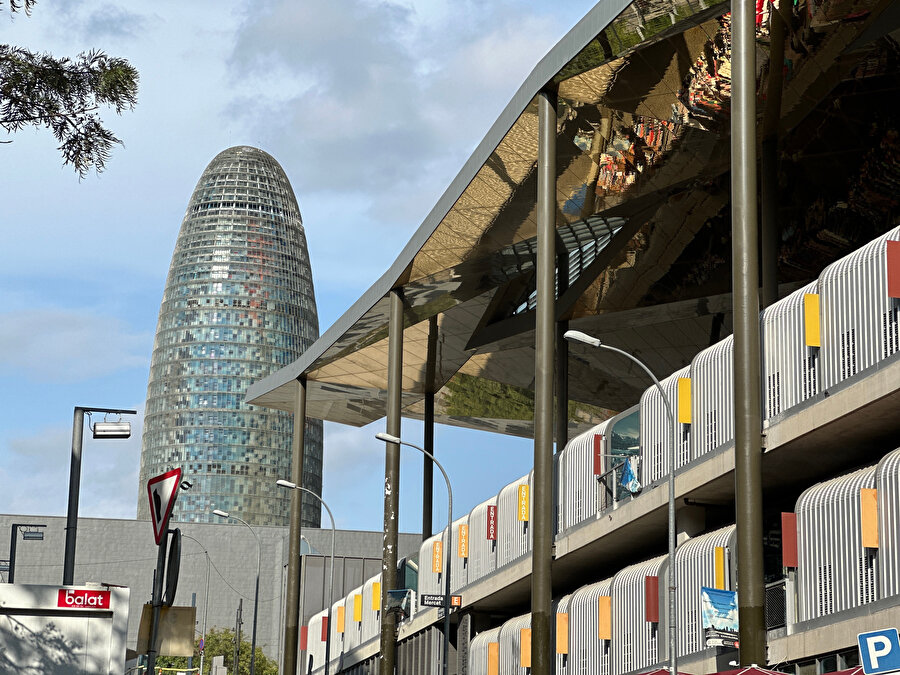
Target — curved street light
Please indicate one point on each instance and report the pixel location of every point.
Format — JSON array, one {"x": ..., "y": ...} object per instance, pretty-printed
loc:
[
  {"x": 578, "y": 336},
  {"x": 388, "y": 438},
  {"x": 225, "y": 514},
  {"x": 206, "y": 600},
  {"x": 293, "y": 486}
]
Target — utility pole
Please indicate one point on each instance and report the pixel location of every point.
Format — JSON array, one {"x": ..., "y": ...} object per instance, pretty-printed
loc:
[{"x": 237, "y": 636}]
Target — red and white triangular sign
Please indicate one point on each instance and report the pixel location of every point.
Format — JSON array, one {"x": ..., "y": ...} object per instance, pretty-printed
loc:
[{"x": 162, "y": 490}]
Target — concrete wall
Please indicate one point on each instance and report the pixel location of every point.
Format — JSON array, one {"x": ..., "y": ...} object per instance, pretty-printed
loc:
[{"x": 123, "y": 552}]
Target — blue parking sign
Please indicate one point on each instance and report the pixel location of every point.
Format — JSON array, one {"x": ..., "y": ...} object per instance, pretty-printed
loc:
[{"x": 879, "y": 651}]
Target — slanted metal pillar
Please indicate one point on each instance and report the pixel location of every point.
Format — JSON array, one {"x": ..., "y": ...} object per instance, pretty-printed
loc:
[
  {"x": 427, "y": 463},
  {"x": 292, "y": 606},
  {"x": 745, "y": 281},
  {"x": 388, "y": 653},
  {"x": 769, "y": 159},
  {"x": 562, "y": 386},
  {"x": 542, "y": 658}
]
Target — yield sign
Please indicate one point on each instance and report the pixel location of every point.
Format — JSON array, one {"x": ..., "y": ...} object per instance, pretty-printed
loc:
[{"x": 162, "y": 490}]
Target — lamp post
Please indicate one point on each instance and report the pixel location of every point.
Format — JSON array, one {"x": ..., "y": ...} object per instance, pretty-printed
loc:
[
  {"x": 225, "y": 514},
  {"x": 29, "y": 532},
  {"x": 206, "y": 600},
  {"x": 578, "y": 336},
  {"x": 101, "y": 430},
  {"x": 293, "y": 486},
  {"x": 388, "y": 438}
]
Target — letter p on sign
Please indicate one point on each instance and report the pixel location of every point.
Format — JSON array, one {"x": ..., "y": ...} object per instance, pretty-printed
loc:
[{"x": 879, "y": 651}]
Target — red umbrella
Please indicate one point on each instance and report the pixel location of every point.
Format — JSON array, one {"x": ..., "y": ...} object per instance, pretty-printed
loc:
[
  {"x": 661, "y": 671},
  {"x": 857, "y": 670},
  {"x": 749, "y": 670}
]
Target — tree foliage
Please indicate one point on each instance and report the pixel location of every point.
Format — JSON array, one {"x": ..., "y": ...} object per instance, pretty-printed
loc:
[
  {"x": 65, "y": 95},
  {"x": 220, "y": 642}
]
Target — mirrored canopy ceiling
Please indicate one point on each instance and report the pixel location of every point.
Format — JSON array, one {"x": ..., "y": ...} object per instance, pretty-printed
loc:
[{"x": 643, "y": 213}]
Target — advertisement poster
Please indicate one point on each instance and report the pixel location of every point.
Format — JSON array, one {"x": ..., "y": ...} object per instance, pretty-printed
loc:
[{"x": 719, "y": 613}]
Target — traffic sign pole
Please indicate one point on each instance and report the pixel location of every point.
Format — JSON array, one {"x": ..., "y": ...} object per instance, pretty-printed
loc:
[
  {"x": 156, "y": 602},
  {"x": 162, "y": 491}
]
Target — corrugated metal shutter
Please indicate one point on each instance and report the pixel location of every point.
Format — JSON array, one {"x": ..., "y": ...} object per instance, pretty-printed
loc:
[
  {"x": 514, "y": 536},
  {"x": 478, "y": 651},
  {"x": 790, "y": 367},
  {"x": 859, "y": 319},
  {"x": 887, "y": 481},
  {"x": 835, "y": 571},
  {"x": 656, "y": 432},
  {"x": 588, "y": 654},
  {"x": 635, "y": 642},
  {"x": 482, "y": 551},
  {"x": 695, "y": 565},
  {"x": 712, "y": 391}
]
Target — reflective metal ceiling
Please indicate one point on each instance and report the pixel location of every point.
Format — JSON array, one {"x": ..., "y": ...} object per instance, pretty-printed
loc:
[{"x": 642, "y": 218}]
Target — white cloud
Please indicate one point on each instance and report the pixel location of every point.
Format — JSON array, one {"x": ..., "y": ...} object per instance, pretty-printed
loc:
[
  {"x": 68, "y": 345},
  {"x": 34, "y": 472}
]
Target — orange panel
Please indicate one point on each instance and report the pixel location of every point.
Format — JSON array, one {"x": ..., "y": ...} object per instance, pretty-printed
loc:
[
  {"x": 463, "y": 545},
  {"x": 525, "y": 648},
  {"x": 436, "y": 550},
  {"x": 493, "y": 658},
  {"x": 868, "y": 515},
  {"x": 340, "y": 619},
  {"x": 604, "y": 627},
  {"x": 562, "y": 633}
]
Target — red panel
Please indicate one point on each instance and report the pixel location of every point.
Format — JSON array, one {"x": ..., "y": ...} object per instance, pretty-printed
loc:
[
  {"x": 304, "y": 636},
  {"x": 651, "y": 599},
  {"x": 893, "y": 268},
  {"x": 491, "y": 523},
  {"x": 324, "y": 628},
  {"x": 789, "y": 555},
  {"x": 598, "y": 454}
]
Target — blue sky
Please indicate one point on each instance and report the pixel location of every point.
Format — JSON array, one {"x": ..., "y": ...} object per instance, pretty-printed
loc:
[{"x": 370, "y": 107}]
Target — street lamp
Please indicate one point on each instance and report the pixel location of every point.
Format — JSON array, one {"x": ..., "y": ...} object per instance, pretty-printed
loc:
[
  {"x": 578, "y": 336},
  {"x": 29, "y": 533},
  {"x": 206, "y": 601},
  {"x": 101, "y": 430},
  {"x": 293, "y": 486},
  {"x": 225, "y": 514},
  {"x": 388, "y": 438}
]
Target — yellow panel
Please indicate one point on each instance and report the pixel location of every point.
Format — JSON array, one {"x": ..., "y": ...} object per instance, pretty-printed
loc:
[
  {"x": 463, "y": 546},
  {"x": 811, "y": 320},
  {"x": 493, "y": 658},
  {"x": 525, "y": 648},
  {"x": 720, "y": 567},
  {"x": 376, "y": 596},
  {"x": 357, "y": 608},
  {"x": 562, "y": 633},
  {"x": 868, "y": 515},
  {"x": 604, "y": 625},
  {"x": 684, "y": 400},
  {"x": 340, "y": 619},
  {"x": 436, "y": 551},
  {"x": 523, "y": 503}
]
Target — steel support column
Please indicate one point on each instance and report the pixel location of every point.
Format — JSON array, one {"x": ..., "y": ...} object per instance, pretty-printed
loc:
[
  {"x": 292, "y": 602},
  {"x": 769, "y": 160},
  {"x": 562, "y": 386},
  {"x": 428, "y": 437},
  {"x": 745, "y": 281},
  {"x": 545, "y": 332},
  {"x": 74, "y": 490},
  {"x": 388, "y": 653}
]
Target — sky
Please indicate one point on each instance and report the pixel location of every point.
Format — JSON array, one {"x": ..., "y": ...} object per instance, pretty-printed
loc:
[{"x": 370, "y": 107}]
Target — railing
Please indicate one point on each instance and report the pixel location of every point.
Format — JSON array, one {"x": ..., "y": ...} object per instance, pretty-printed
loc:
[{"x": 776, "y": 604}]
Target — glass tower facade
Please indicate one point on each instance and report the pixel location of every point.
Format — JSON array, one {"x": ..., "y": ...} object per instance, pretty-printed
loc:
[{"x": 238, "y": 305}]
